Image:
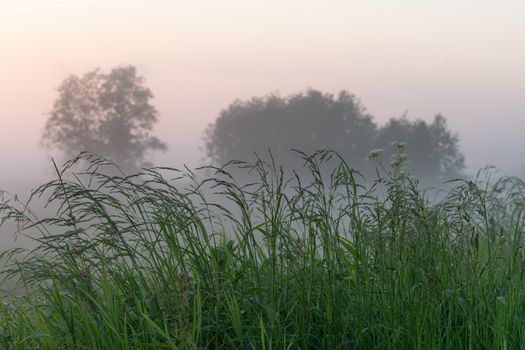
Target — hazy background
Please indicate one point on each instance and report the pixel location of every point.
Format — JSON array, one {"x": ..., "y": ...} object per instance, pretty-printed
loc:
[{"x": 464, "y": 59}]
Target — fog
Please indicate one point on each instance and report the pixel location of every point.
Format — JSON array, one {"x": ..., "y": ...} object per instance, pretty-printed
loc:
[{"x": 463, "y": 60}]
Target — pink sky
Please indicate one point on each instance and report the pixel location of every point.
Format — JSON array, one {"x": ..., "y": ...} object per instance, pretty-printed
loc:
[{"x": 464, "y": 59}]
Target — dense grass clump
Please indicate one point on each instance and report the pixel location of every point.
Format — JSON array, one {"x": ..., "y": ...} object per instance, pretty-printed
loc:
[{"x": 320, "y": 262}]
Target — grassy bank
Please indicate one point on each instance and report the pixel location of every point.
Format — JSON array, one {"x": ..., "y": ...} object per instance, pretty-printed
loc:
[{"x": 333, "y": 262}]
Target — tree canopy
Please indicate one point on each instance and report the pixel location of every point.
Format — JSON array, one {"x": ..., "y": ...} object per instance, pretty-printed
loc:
[
  {"x": 432, "y": 149},
  {"x": 107, "y": 114},
  {"x": 306, "y": 122},
  {"x": 314, "y": 120}
]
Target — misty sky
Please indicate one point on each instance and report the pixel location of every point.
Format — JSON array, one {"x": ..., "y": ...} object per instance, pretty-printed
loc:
[{"x": 464, "y": 59}]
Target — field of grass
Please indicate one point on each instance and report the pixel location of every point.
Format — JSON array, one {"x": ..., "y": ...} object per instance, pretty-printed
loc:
[{"x": 314, "y": 262}]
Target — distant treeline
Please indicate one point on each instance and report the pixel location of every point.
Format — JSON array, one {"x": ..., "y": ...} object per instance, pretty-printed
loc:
[
  {"x": 111, "y": 115},
  {"x": 314, "y": 120}
]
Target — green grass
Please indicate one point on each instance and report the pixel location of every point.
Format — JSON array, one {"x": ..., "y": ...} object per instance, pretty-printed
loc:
[{"x": 312, "y": 262}]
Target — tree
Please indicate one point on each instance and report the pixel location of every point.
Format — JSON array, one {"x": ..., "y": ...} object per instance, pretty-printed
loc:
[
  {"x": 304, "y": 121},
  {"x": 312, "y": 120},
  {"x": 432, "y": 149},
  {"x": 107, "y": 114}
]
